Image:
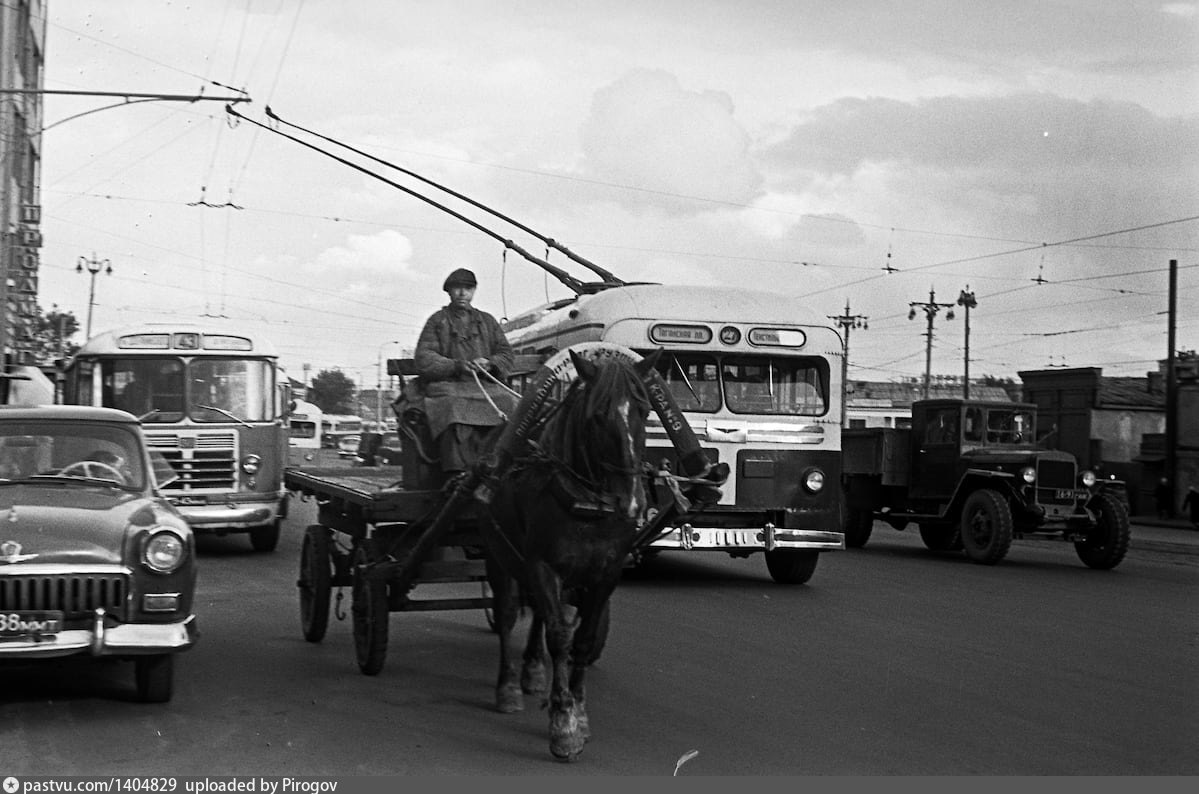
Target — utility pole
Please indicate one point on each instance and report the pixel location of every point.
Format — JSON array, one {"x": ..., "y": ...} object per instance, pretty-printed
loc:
[
  {"x": 94, "y": 266},
  {"x": 1171, "y": 461},
  {"x": 930, "y": 308},
  {"x": 847, "y": 321},
  {"x": 967, "y": 300},
  {"x": 379, "y": 386}
]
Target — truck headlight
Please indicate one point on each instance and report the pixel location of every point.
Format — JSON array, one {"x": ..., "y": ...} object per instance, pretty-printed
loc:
[
  {"x": 813, "y": 480},
  {"x": 163, "y": 551},
  {"x": 250, "y": 464},
  {"x": 1088, "y": 477},
  {"x": 1029, "y": 474}
]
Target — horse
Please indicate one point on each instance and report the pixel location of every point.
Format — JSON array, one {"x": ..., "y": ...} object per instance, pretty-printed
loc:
[{"x": 558, "y": 528}]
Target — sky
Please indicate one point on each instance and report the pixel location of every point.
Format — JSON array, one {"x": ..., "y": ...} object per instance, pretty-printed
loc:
[{"x": 860, "y": 156}]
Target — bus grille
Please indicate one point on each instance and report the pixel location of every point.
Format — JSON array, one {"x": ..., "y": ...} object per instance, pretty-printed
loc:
[
  {"x": 75, "y": 595},
  {"x": 204, "y": 461}
]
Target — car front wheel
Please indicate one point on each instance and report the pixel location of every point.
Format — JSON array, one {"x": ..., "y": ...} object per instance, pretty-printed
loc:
[{"x": 155, "y": 676}]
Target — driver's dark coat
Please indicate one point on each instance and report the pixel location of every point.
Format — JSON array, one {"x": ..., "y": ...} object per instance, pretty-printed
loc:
[{"x": 449, "y": 339}]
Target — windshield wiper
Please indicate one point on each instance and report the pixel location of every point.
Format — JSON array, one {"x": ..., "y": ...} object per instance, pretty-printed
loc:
[
  {"x": 687, "y": 382},
  {"x": 223, "y": 412}
]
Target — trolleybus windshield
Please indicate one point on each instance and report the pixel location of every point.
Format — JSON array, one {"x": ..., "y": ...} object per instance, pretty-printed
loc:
[{"x": 703, "y": 382}]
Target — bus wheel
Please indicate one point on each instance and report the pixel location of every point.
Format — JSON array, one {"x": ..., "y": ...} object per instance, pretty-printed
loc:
[
  {"x": 266, "y": 537},
  {"x": 791, "y": 567}
]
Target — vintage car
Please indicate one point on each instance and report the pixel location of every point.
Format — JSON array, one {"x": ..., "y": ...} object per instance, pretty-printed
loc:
[{"x": 93, "y": 560}]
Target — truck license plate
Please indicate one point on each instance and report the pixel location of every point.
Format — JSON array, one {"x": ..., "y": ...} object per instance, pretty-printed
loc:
[
  {"x": 27, "y": 623},
  {"x": 1067, "y": 493}
]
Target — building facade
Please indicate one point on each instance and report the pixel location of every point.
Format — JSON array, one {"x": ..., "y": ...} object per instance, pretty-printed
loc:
[{"x": 22, "y": 59}]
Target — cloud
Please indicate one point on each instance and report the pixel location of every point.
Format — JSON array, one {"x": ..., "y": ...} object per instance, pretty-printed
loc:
[{"x": 646, "y": 130}]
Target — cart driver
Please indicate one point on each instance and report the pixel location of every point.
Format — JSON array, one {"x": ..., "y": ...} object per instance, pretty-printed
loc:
[{"x": 458, "y": 349}]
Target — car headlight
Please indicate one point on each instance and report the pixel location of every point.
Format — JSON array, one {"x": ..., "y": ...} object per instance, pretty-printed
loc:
[
  {"x": 814, "y": 480},
  {"x": 251, "y": 463},
  {"x": 164, "y": 551},
  {"x": 1029, "y": 474},
  {"x": 1088, "y": 477}
]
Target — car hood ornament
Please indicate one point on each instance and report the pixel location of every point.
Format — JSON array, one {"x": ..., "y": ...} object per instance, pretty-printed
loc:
[{"x": 10, "y": 552}]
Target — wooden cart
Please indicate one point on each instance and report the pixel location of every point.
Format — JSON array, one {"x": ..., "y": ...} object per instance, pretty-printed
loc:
[{"x": 382, "y": 540}]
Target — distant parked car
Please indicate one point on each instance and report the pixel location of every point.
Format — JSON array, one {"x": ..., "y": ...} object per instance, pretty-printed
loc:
[
  {"x": 347, "y": 446},
  {"x": 93, "y": 560}
]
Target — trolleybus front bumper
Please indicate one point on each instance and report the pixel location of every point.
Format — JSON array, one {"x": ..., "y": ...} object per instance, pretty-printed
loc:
[{"x": 689, "y": 537}]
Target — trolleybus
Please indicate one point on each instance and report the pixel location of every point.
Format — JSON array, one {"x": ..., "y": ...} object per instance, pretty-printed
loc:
[
  {"x": 211, "y": 400},
  {"x": 758, "y": 377}
]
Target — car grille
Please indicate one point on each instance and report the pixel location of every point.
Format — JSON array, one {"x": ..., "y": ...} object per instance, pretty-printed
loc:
[
  {"x": 203, "y": 461},
  {"x": 1054, "y": 476},
  {"x": 75, "y": 595}
]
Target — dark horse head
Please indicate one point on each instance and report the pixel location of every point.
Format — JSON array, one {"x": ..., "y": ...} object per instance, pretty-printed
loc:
[{"x": 564, "y": 519}]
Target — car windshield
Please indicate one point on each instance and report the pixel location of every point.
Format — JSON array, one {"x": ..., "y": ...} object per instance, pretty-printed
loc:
[{"x": 86, "y": 451}]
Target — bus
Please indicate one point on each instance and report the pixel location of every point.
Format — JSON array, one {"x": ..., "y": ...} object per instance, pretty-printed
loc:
[
  {"x": 334, "y": 427},
  {"x": 305, "y": 424},
  {"x": 758, "y": 378},
  {"x": 212, "y": 401}
]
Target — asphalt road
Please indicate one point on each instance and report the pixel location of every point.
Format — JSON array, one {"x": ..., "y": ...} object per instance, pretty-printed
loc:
[{"x": 891, "y": 661}]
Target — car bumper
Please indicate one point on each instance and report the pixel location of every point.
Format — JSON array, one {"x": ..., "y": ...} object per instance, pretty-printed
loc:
[
  {"x": 125, "y": 639},
  {"x": 688, "y": 537},
  {"x": 227, "y": 515}
]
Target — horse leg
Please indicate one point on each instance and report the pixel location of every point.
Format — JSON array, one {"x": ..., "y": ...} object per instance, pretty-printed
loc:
[
  {"x": 566, "y": 741},
  {"x": 508, "y": 697},
  {"x": 533, "y": 674},
  {"x": 590, "y": 611}
]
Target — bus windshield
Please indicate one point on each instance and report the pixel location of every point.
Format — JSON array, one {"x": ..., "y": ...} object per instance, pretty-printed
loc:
[
  {"x": 209, "y": 390},
  {"x": 746, "y": 384}
]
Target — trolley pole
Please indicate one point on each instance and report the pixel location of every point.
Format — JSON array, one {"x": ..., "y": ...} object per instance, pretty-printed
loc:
[
  {"x": 966, "y": 299},
  {"x": 930, "y": 308},
  {"x": 847, "y": 321}
]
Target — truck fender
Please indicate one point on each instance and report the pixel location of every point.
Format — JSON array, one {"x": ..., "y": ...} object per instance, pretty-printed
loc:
[{"x": 974, "y": 479}]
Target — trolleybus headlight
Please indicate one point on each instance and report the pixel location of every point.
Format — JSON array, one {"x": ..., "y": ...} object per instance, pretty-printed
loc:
[
  {"x": 250, "y": 464},
  {"x": 1029, "y": 474},
  {"x": 813, "y": 480},
  {"x": 1088, "y": 477},
  {"x": 164, "y": 551}
]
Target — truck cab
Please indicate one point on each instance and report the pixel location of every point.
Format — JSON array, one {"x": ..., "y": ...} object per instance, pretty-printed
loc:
[{"x": 972, "y": 476}]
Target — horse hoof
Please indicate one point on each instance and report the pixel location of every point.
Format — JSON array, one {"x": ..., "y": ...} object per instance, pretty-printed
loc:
[
  {"x": 509, "y": 700},
  {"x": 533, "y": 679},
  {"x": 566, "y": 740}
]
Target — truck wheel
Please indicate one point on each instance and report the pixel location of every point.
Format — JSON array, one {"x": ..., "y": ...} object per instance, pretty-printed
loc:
[
  {"x": 315, "y": 582},
  {"x": 370, "y": 613},
  {"x": 858, "y": 526},
  {"x": 1107, "y": 541},
  {"x": 265, "y": 538},
  {"x": 986, "y": 526},
  {"x": 791, "y": 567}
]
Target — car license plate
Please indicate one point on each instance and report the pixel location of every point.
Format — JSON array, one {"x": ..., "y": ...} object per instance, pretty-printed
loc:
[{"x": 27, "y": 623}]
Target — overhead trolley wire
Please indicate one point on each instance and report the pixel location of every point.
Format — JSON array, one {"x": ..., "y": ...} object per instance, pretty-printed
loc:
[
  {"x": 572, "y": 283},
  {"x": 607, "y": 275}
]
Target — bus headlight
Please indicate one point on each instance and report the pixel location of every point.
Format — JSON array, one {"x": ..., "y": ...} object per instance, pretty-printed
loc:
[
  {"x": 1029, "y": 474},
  {"x": 813, "y": 480},
  {"x": 164, "y": 551},
  {"x": 250, "y": 464},
  {"x": 1088, "y": 477}
]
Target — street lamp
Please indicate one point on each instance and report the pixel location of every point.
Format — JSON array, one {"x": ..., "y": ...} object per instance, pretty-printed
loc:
[
  {"x": 967, "y": 300},
  {"x": 379, "y": 387},
  {"x": 930, "y": 308},
  {"x": 94, "y": 266}
]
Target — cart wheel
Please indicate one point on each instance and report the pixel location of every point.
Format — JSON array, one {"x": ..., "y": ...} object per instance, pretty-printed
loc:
[
  {"x": 315, "y": 582},
  {"x": 371, "y": 614}
]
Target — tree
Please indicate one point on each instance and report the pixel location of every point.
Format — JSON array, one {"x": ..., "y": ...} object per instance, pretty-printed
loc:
[
  {"x": 51, "y": 332},
  {"x": 332, "y": 392}
]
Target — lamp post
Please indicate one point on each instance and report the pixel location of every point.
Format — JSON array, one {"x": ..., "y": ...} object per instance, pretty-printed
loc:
[
  {"x": 930, "y": 308},
  {"x": 847, "y": 321},
  {"x": 379, "y": 387},
  {"x": 94, "y": 266},
  {"x": 966, "y": 299}
]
